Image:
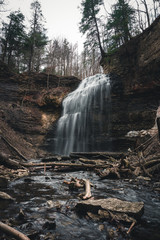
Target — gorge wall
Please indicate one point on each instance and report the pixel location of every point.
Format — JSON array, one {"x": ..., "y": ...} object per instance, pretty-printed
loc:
[
  {"x": 30, "y": 105},
  {"x": 135, "y": 73}
]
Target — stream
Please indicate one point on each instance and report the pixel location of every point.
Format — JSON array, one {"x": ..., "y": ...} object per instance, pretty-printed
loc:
[{"x": 48, "y": 204}]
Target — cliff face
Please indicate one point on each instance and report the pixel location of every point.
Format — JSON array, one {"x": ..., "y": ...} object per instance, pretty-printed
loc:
[
  {"x": 135, "y": 74},
  {"x": 137, "y": 62},
  {"x": 29, "y": 108}
]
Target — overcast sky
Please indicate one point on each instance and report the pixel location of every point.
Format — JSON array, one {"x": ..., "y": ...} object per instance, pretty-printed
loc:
[{"x": 62, "y": 17}]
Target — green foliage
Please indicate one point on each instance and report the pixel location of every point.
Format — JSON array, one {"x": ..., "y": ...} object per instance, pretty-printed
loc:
[
  {"x": 121, "y": 22},
  {"x": 13, "y": 35},
  {"x": 36, "y": 39},
  {"x": 89, "y": 23}
]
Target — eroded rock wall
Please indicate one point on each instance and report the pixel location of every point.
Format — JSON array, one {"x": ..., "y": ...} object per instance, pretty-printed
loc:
[
  {"x": 29, "y": 108},
  {"x": 135, "y": 74}
]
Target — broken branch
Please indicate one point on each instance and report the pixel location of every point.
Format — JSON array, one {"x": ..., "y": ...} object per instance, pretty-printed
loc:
[{"x": 13, "y": 232}]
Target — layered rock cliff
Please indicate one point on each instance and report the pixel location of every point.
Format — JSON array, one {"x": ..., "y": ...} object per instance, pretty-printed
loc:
[
  {"x": 135, "y": 74},
  {"x": 29, "y": 108}
]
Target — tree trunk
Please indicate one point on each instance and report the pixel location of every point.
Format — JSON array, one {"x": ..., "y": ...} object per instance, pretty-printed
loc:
[
  {"x": 13, "y": 232},
  {"x": 97, "y": 29},
  {"x": 158, "y": 125}
]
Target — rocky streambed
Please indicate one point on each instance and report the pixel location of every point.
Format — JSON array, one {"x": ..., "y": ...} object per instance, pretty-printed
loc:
[{"x": 45, "y": 208}]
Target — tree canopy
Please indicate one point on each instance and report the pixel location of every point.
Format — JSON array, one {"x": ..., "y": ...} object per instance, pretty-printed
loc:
[{"x": 24, "y": 45}]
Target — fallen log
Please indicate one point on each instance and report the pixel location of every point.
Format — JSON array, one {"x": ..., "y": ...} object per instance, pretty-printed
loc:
[
  {"x": 154, "y": 169},
  {"x": 151, "y": 163},
  {"x": 91, "y": 161},
  {"x": 12, "y": 232},
  {"x": 99, "y": 155},
  {"x": 5, "y": 160},
  {"x": 14, "y": 148},
  {"x": 76, "y": 165},
  {"x": 158, "y": 126}
]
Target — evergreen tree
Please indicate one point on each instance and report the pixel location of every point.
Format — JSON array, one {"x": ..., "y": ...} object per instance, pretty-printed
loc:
[
  {"x": 37, "y": 39},
  {"x": 13, "y": 34},
  {"x": 121, "y": 22},
  {"x": 89, "y": 23}
]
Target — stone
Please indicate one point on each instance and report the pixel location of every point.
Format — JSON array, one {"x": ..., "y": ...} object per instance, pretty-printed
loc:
[
  {"x": 114, "y": 205},
  {"x": 49, "y": 225},
  {"x": 5, "y": 196},
  {"x": 3, "y": 182}
]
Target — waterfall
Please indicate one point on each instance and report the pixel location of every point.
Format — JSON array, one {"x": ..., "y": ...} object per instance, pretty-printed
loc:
[{"x": 85, "y": 115}]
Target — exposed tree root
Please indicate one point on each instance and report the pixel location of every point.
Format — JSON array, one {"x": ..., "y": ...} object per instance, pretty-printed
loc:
[{"x": 12, "y": 232}]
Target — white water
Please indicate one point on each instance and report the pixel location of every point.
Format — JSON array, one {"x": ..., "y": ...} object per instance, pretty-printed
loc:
[{"x": 82, "y": 110}]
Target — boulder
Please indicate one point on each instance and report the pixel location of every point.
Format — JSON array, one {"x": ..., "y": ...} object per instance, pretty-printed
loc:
[
  {"x": 3, "y": 182},
  {"x": 111, "y": 205}
]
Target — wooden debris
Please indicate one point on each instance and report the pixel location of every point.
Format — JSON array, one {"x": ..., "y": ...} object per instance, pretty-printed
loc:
[
  {"x": 5, "y": 160},
  {"x": 14, "y": 148},
  {"x": 5, "y": 196},
  {"x": 75, "y": 184},
  {"x": 87, "y": 190},
  {"x": 61, "y": 164},
  {"x": 100, "y": 155},
  {"x": 158, "y": 125},
  {"x": 12, "y": 232},
  {"x": 123, "y": 217}
]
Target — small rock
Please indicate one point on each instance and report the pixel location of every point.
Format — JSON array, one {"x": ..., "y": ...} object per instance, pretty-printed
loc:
[
  {"x": 3, "y": 182},
  {"x": 49, "y": 225},
  {"x": 5, "y": 196},
  {"x": 101, "y": 227}
]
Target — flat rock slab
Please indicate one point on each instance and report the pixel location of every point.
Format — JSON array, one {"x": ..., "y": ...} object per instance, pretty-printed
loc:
[{"x": 115, "y": 205}]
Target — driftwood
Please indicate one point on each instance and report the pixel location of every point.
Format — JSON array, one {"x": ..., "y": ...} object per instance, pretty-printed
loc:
[
  {"x": 76, "y": 183},
  {"x": 12, "y": 232},
  {"x": 158, "y": 125},
  {"x": 96, "y": 155},
  {"x": 60, "y": 164},
  {"x": 141, "y": 160},
  {"x": 96, "y": 162},
  {"x": 5, "y": 196},
  {"x": 5, "y": 160},
  {"x": 14, "y": 148},
  {"x": 112, "y": 173},
  {"x": 87, "y": 190}
]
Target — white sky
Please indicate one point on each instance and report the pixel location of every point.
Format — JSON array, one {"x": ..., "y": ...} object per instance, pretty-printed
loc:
[{"x": 62, "y": 17}]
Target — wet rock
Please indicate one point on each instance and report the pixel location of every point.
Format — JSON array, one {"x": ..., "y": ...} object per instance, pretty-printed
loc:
[
  {"x": 114, "y": 205},
  {"x": 144, "y": 178},
  {"x": 50, "y": 225},
  {"x": 5, "y": 196},
  {"x": 3, "y": 182}
]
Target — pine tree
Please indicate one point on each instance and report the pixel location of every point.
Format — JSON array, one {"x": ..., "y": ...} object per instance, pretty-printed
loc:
[
  {"x": 89, "y": 23},
  {"x": 121, "y": 22},
  {"x": 13, "y": 34},
  {"x": 37, "y": 39}
]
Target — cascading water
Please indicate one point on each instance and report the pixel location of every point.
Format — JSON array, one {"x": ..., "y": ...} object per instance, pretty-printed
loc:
[{"x": 85, "y": 116}]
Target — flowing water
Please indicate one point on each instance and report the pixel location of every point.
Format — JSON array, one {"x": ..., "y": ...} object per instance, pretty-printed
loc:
[
  {"x": 32, "y": 194},
  {"x": 81, "y": 124}
]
